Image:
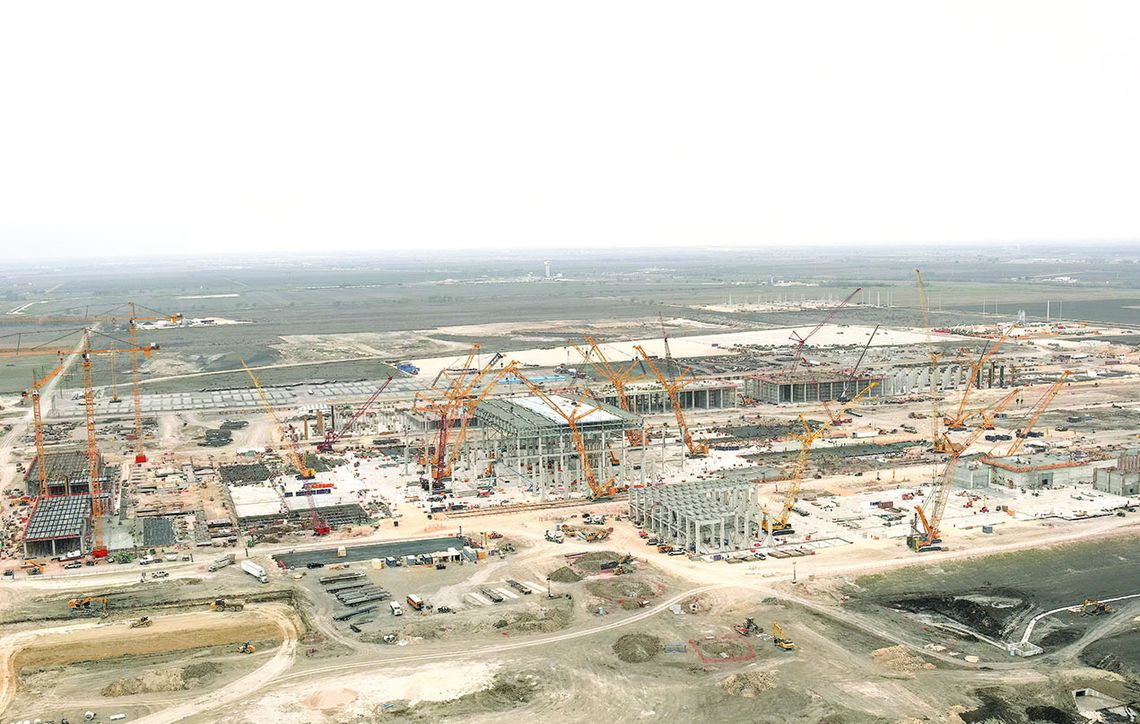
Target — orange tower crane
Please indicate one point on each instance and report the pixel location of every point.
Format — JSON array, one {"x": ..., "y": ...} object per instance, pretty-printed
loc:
[
  {"x": 672, "y": 387},
  {"x": 469, "y": 402},
  {"x": 99, "y": 548},
  {"x": 579, "y": 411},
  {"x": 617, "y": 377},
  {"x": 1038, "y": 409},
  {"x": 38, "y": 424}
]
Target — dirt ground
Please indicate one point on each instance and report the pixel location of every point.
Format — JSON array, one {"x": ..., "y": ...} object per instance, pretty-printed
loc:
[{"x": 166, "y": 634}]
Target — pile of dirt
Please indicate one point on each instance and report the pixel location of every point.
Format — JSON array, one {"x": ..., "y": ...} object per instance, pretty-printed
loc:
[
  {"x": 595, "y": 560},
  {"x": 624, "y": 591},
  {"x": 637, "y": 648},
  {"x": 748, "y": 683},
  {"x": 900, "y": 659},
  {"x": 565, "y": 574},
  {"x": 157, "y": 680}
]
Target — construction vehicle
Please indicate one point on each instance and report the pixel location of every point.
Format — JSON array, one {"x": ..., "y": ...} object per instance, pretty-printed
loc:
[
  {"x": 781, "y": 640},
  {"x": 748, "y": 628},
  {"x": 554, "y": 536},
  {"x": 246, "y": 648},
  {"x": 143, "y": 622},
  {"x": 617, "y": 378},
  {"x": 254, "y": 570},
  {"x": 1094, "y": 607},
  {"x": 781, "y": 525},
  {"x": 960, "y": 415},
  {"x": 88, "y": 606},
  {"x": 1025, "y": 432},
  {"x": 673, "y": 387},
  {"x": 33, "y": 567},
  {"x": 227, "y": 560},
  {"x": 845, "y": 395},
  {"x": 227, "y": 604},
  {"x": 928, "y": 537},
  {"x": 333, "y": 436},
  {"x": 578, "y": 411}
]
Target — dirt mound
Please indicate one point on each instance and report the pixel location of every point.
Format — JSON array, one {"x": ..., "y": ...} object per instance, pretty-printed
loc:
[
  {"x": 900, "y": 659},
  {"x": 724, "y": 649},
  {"x": 624, "y": 591},
  {"x": 594, "y": 561},
  {"x": 565, "y": 574},
  {"x": 151, "y": 681},
  {"x": 637, "y": 648},
  {"x": 748, "y": 683}
]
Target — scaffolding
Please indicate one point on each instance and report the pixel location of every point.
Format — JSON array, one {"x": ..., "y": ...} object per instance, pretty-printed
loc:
[{"x": 701, "y": 517}]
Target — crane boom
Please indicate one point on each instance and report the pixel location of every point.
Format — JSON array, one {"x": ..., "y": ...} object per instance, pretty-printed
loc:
[
  {"x": 617, "y": 377},
  {"x": 935, "y": 439},
  {"x": 960, "y": 415},
  {"x": 303, "y": 472},
  {"x": 801, "y": 341},
  {"x": 807, "y": 438},
  {"x": 598, "y": 491},
  {"x": 334, "y": 436},
  {"x": 696, "y": 449},
  {"x": 1038, "y": 409}
]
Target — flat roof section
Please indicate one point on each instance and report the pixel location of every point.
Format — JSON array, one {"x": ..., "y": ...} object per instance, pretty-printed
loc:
[
  {"x": 530, "y": 415},
  {"x": 60, "y": 517},
  {"x": 568, "y": 407}
]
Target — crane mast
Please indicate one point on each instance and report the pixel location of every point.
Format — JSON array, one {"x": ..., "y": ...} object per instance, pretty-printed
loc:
[
  {"x": 960, "y": 415},
  {"x": 935, "y": 439},
  {"x": 696, "y": 449}
]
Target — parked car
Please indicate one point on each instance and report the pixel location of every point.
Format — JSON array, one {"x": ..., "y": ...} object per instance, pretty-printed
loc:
[
  {"x": 160, "y": 574},
  {"x": 73, "y": 565}
]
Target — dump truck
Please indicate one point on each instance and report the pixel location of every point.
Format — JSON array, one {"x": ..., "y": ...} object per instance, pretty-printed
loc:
[
  {"x": 226, "y": 560},
  {"x": 254, "y": 570},
  {"x": 227, "y": 604}
]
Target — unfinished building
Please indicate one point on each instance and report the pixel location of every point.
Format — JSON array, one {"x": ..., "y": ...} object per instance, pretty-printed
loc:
[
  {"x": 702, "y": 517},
  {"x": 527, "y": 442},
  {"x": 58, "y": 526},
  {"x": 67, "y": 473},
  {"x": 651, "y": 398},
  {"x": 779, "y": 388}
]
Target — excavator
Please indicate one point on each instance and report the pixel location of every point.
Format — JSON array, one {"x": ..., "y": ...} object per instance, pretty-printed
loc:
[
  {"x": 88, "y": 606},
  {"x": 246, "y": 648},
  {"x": 780, "y": 639}
]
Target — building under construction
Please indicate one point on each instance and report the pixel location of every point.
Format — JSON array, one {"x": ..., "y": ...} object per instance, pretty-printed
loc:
[
  {"x": 531, "y": 444},
  {"x": 58, "y": 526},
  {"x": 702, "y": 517},
  {"x": 68, "y": 471},
  {"x": 651, "y": 398},
  {"x": 805, "y": 387}
]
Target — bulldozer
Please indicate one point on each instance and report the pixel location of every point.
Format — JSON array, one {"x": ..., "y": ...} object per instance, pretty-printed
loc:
[
  {"x": 781, "y": 641},
  {"x": 141, "y": 622},
  {"x": 1093, "y": 607},
  {"x": 223, "y": 604},
  {"x": 246, "y": 648}
]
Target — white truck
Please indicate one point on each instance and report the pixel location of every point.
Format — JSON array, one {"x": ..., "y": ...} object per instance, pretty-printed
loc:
[
  {"x": 226, "y": 560},
  {"x": 255, "y": 570}
]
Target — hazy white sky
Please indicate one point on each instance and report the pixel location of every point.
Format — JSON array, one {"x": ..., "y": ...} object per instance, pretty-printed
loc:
[{"x": 166, "y": 127}]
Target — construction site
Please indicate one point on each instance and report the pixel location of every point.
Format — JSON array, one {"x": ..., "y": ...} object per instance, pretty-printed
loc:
[{"x": 731, "y": 508}]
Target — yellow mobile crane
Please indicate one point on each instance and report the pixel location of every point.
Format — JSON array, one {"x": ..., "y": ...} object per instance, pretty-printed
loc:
[
  {"x": 580, "y": 410},
  {"x": 782, "y": 525},
  {"x": 696, "y": 449}
]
